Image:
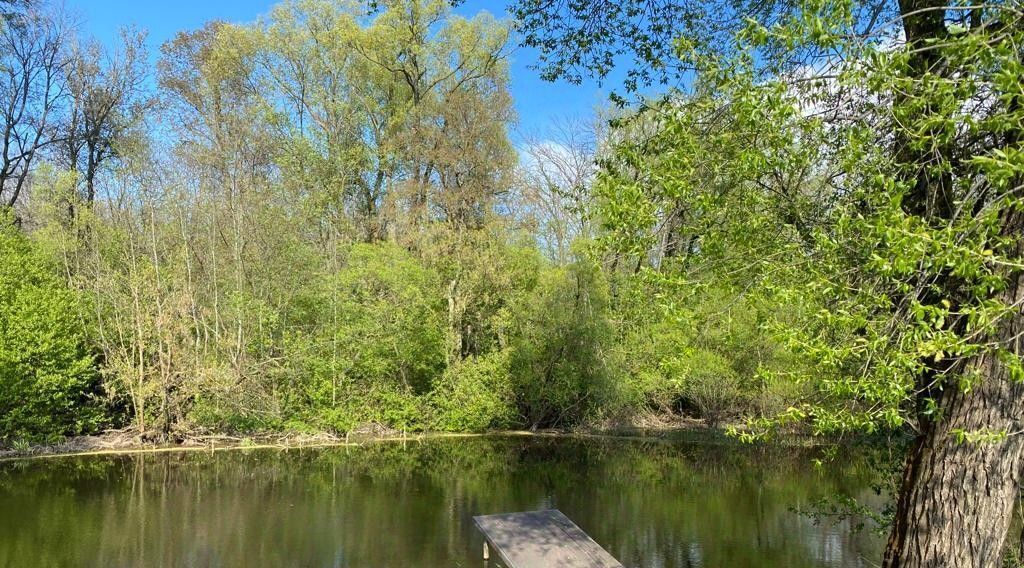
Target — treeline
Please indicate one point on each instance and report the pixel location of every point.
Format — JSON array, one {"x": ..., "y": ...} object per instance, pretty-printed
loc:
[{"x": 320, "y": 221}]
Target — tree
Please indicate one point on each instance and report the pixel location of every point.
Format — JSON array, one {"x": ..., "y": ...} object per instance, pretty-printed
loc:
[
  {"x": 579, "y": 39},
  {"x": 396, "y": 116},
  {"x": 108, "y": 101},
  {"x": 336, "y": 117},
  {"x": 452, "y": 74},
  {"x": 918, "y": 271},
  {"x": 32, "y": 87},
  {"x": 554, "y": 183}
]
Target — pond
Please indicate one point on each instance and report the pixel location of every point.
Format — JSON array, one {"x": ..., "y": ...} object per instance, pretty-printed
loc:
[{"x": 652, "y": 504}]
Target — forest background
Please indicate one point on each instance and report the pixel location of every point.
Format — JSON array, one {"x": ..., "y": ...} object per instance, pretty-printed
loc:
[{"x": 319, "y": 222}]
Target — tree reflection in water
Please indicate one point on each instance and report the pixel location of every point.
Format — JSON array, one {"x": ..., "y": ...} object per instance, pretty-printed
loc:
[{"x": 651, "y": 504}]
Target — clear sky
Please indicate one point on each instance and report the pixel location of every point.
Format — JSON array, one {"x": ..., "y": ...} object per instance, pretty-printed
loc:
[{"x": 537, "y": 101}]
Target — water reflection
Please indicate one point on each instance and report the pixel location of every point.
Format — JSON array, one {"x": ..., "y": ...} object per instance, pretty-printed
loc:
[{"x": 392, "y": 505}]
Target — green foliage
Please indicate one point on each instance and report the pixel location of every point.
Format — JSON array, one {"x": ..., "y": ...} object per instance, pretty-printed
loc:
[
  {"x": 385, "y": 315},
  {"x": 645, "y": 359},
  {"x": 475, "y": 395},
  {"x": 875, "y": 201},
  {"x": 910, "y": 277},
  {"x": 49, "y": 384},
  {"x": 378, "y": 341},
  {"x": 709, "y": 383},
  {"x": 558, "y": 342},
  {"x": 393, "y": 408},
  {"x": 705, "y": 352}
]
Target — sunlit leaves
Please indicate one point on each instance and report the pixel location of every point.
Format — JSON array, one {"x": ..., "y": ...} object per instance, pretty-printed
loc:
[
  {"x": 899, "y": 273},
  {"x": 49, "y": 385}
]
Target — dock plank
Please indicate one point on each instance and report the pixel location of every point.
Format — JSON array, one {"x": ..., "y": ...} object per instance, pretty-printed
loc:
[{"x": 541, "y": 539}]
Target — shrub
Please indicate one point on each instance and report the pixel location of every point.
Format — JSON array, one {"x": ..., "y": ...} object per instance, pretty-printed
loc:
[
  {"x": 648, "y": 360},
  {"x": 48, "y": 377},
  {"x": 710, "y": 385},
  {"x": 561, "y": 376},
  {"x": 382, "y": 320},
  {"x": 401, "y": 410},
  {"x": 474, "y": 394},
  {"x": 375, "y": 344}
]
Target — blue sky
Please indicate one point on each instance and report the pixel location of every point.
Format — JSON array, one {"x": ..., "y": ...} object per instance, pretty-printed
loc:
[{"x": 537, "y": 102}]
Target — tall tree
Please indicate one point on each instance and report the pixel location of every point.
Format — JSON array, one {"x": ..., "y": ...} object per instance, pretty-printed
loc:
[
  {"x": 32, "y": 87},
  {"x": 556, "y": 172},
  {"x": 108, "y": 101},
  {"x": 335, "y": 119},
  {"x": 401, "y": 112}
]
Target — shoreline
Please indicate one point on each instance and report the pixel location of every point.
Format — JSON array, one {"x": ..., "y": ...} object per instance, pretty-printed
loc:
[
  {"x": 74, "y": 448},
  {"x": 120, "y": 443}
]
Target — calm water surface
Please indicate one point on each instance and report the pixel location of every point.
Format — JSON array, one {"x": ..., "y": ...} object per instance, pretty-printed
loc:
[{"x": 651, "y": 504}]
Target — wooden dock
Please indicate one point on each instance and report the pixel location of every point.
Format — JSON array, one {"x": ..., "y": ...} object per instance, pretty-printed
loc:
[{"x": 541, "y": 539}]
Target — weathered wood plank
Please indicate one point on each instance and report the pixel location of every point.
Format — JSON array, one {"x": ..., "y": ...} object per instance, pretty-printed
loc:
[{"x": 542, "y": 539}]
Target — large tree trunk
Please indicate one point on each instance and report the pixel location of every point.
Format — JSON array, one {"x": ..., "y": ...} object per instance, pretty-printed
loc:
[{"x": 957, "y": 497}]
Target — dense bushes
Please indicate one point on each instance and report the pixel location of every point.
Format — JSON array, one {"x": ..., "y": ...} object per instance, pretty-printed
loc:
[
  {"x": 408, "y": 339},
  {"x": 379, "y": 323},
  {"x": 48, "y": 377},
  {"x": 561, "y": 331},
  {"x": 475, "y": 394},
  {"x": 712, "y": 357},
  {"x": 456, "y": 330}
]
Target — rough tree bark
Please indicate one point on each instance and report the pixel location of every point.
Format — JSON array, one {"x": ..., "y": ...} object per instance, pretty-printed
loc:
[{"x": 957, "y": 499}]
